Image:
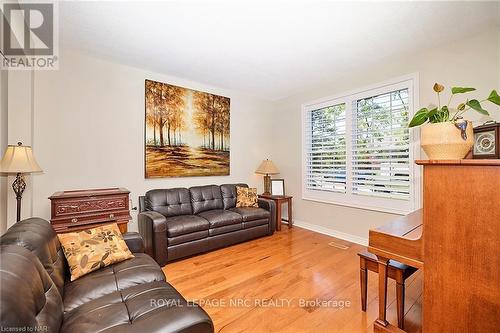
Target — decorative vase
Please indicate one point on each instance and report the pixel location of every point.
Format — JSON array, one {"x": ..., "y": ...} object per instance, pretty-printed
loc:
[{"x": 444, "y": 141}]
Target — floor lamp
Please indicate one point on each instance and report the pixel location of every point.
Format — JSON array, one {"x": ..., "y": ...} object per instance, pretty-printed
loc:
[{"x": 19, "y": 160}]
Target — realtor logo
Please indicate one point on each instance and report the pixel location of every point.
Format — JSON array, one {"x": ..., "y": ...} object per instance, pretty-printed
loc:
[{"x": 29, "y": 35}]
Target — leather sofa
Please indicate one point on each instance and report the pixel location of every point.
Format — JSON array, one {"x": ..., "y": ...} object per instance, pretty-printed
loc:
[
  {"x": 130, "y": 296},
  {"x": 181, "y": 222}
]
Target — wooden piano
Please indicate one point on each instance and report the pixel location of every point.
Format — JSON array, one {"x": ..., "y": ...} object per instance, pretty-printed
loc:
[{"x": 454, "y": 239}]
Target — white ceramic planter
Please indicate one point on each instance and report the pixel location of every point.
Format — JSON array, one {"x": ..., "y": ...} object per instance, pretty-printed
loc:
[{"x": 443, "y": 141}]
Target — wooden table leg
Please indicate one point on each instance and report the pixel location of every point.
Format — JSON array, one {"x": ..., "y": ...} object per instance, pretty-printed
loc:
[
  {"x": 364, "y": 281},
  {"x": 290, "y": 220},
  {"x": 278, "y": 215},
  {"x": 122, "y": 226},
  {"x": 400, "y": 301},
  {"x": 382, "y": 291}
]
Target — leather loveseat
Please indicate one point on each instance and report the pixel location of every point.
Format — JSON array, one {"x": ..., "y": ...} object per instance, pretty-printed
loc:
[
  {"x": 131, "y": 296},
  {"x": 181, "y": 222}
]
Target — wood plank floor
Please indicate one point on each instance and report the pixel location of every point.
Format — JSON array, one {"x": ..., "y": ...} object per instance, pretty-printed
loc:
[{"x": 275, "y": 284}]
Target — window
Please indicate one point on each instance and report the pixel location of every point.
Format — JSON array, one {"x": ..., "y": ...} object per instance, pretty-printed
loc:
[
  {"x": 358, "y": 150},
  {"x": 326, "y": 158}
]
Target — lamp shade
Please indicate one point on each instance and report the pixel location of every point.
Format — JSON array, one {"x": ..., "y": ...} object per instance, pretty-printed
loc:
[
  {"x": 19, "y": 159},
  {"x": 267, "y": 167}
]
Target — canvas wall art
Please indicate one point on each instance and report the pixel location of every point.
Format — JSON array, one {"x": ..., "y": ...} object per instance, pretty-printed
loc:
[{"x": 187, "y": 132}]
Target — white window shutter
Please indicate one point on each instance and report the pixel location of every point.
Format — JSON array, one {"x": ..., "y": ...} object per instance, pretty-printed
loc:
[
  {"x": 358, "y": 149},
  {"x": 326, "y": 149},
  {"x": 381, "y": 146}
]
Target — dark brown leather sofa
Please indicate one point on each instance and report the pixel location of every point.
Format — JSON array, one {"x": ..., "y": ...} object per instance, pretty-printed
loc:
[
  {"x": 130, "y": 296},
  {"x": 180, "y": 222}
]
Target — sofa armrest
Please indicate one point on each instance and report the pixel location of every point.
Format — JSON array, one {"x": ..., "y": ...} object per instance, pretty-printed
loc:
[
  {"x": 270, "y": 206},
  {"x": 153, "y": 229},
  {"x": 134, "y": 242}
]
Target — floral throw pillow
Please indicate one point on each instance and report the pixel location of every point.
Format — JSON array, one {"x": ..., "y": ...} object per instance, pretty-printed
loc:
[
  {"x": 246, "y": 197},
  {"x": 89, "y": 250}
]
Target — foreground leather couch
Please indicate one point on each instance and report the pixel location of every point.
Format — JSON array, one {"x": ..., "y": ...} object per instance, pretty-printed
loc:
[
  {"x": 181, "y": 222},
  {"x": 130, "y": 296}
]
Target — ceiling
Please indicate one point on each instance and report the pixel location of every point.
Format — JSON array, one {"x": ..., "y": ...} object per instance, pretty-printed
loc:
[{"x": 268, "y": 49}]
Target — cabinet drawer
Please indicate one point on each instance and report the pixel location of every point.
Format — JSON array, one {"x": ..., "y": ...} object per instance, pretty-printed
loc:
[
  {"x": 88, "y": 205},
  {"x": 94, "y": 218},
  {"x": 64, "y": 227}
]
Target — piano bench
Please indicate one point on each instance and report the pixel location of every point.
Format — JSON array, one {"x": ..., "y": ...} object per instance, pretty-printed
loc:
[{"x": 395, "y": 270}]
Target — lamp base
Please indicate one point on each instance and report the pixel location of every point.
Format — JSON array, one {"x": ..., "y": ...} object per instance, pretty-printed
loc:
[
  {"x": 19, "y": 185},
  {"x": 267, "y": 185}
]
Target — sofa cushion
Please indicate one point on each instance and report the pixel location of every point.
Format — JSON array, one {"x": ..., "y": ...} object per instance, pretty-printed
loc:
[
  {"x": 219, "y": 217},
  {"x": 225, "y": 229},
  {"x": 255, "y": 223},
  {"x": 89, "y": 250},
  {"x": 229, "y": 194},
  {"x": 205, "y": 198},
  {"x": 169, "y": 202},
  {"x": 140, "y": 269},
  {"x": 187, "y": 237},
  {"x": 251, "y": 213},
  {"x": 246, "y": 197},
  {"x": 28, "y": 296},
  {"x": 37, "y": 235},
  {"x": 149, "y": 307},
  {"x": 185, "y": 224}
]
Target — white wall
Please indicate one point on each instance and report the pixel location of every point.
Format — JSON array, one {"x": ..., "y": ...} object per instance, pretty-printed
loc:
[
  {"x": 3, "y": 145},
  {"x": 469, "y": 62},
  {"x": 89, "y": 130},
  {"x": 20, "y": 122},
  {"x": 16, "y": 126}
]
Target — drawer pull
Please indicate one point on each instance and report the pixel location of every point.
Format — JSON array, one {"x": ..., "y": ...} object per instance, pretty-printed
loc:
[
  {"x": 74, "y": 220},
  {"x": 111, "y": 216}
]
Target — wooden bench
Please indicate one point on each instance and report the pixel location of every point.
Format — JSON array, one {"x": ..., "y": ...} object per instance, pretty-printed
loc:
[{"x": 396, "y": 271}]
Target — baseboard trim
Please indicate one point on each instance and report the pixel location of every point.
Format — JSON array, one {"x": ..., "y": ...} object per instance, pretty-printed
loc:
[{"x": 330, "y": 232}]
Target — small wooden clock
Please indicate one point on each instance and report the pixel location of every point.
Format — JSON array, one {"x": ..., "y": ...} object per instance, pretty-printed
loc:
[{"x": 487, "y": 141}]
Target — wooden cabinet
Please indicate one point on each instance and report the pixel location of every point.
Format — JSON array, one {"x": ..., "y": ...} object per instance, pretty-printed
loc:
[{"x": 84, "y": 209}]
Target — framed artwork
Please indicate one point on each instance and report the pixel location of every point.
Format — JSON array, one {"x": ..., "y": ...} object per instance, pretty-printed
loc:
[
  {"x": 277, "y": 187},
  {"x": 187, "y": 132}
]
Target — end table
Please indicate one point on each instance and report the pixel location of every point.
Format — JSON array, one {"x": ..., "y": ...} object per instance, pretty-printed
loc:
[{"x": 279, "y": 200}]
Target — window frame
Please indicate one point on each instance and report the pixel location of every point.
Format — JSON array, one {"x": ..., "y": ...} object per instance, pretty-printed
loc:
[{"x": 388, "y": 205}]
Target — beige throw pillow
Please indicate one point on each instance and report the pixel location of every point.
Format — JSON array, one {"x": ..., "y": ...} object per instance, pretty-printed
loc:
[
  {"x": 89, "y": 250},
  {"x": 246, "y": 197}
]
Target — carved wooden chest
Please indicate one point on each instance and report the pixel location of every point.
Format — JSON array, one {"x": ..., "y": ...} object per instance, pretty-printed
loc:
[{"x": 84, "y": 209}]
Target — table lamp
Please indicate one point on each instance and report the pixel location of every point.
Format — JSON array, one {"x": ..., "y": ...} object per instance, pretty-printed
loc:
[
  {"x": 267, "y": 168},
  {"x": 19, "y": 160}
]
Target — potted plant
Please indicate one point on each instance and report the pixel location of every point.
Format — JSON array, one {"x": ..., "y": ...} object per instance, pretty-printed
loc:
[{"x": 445, "y": 134}]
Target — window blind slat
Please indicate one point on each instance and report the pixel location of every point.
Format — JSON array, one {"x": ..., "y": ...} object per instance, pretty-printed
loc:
[
  {"x": 320, "y": 172},
  {"x": 370, "y": 193}
]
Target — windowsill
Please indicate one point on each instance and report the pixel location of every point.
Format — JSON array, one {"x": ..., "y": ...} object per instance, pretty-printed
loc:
[{"x": 359, "y": 206}]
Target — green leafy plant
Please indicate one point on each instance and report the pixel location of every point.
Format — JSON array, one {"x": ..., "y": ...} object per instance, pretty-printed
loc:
[{"x": 441, "y": 114}]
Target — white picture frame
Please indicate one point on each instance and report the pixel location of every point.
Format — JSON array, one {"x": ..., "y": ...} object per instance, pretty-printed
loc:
[{"x": 277, "y": 187}]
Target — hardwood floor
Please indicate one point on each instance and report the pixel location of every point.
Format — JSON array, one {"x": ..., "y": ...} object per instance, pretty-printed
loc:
[{"x": 263, "y": 285}]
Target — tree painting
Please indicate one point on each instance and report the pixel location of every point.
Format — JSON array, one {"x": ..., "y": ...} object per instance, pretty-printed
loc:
[{"x": 187, "y": 132}]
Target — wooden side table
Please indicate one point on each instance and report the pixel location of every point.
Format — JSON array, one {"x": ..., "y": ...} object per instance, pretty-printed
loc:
[{"x": 279, "y": 200}]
